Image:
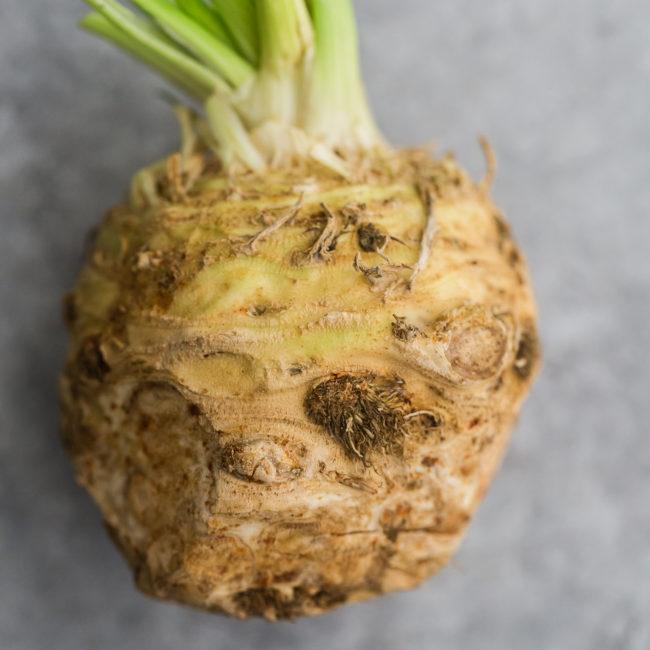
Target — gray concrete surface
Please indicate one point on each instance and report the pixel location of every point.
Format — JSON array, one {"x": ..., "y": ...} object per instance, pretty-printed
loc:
[{"x": 559, "y": 554}]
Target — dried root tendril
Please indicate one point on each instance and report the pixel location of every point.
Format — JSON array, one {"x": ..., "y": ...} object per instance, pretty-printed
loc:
[
  {"x": 321, "y": 250},
  {"x": 181, "y": 174},
  {"x": 172, "y": 177},
  {"x": 326, "y": 242},
  {"x": 490, "y": 164},
  {"x": 250, "y": 247},
  {"x": 418, "y": 414},
  {"x": 428, "y": 236},
  {"x": 387, "y": 279}
]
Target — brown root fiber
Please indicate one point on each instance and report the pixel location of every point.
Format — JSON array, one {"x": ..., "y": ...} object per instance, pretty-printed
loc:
[
  {"x": 91, "y": 361},
  {"x": 363, "y": 413},
  {"x": 528, "y": 353},
  {"x": 371, "y": 238},
  {"x": 272, "y": 604},
  {"x": 402, "y": 330}
]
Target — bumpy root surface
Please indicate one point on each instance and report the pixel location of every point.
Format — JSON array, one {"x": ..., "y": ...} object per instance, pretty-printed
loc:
[{"x": 290, "y": 392}]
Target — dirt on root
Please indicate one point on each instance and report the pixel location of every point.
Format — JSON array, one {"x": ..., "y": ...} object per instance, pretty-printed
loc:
[{"x": 363, "y": 413}]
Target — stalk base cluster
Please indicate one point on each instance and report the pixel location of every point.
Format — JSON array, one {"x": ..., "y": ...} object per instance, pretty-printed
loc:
[{"x": 277, "y": 79}]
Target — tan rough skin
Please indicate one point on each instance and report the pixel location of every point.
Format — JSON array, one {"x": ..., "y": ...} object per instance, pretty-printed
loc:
[{"x": 276, "y": 408}]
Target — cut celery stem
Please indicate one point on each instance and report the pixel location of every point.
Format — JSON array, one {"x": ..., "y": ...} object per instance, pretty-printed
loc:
[
  {"x": 143, "y": 41},
  {"x": 336, "y": 103},
  {"x": 196, "y": 82},
  {"x": 285, "y": 33},
  {"x": 239, "y": 19},
  {"x": 285, "y": 40},
  {"x": 232, "y": 137},
  {"x": 215, "y": 54},
  {"x": 208, "y": 18}
]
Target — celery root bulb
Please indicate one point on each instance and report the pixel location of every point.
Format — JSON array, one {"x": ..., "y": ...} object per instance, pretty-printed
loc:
[
  {"x": 296, "y": 353},
  {"x": 287, "y": 391}
]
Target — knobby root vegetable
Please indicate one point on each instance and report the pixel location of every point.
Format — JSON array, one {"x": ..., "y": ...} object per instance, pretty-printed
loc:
[{"x": 296, "y": 354}]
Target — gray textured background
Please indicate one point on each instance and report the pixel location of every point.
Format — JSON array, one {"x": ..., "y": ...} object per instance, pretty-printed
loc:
[{"x": 559, "y": 554}]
